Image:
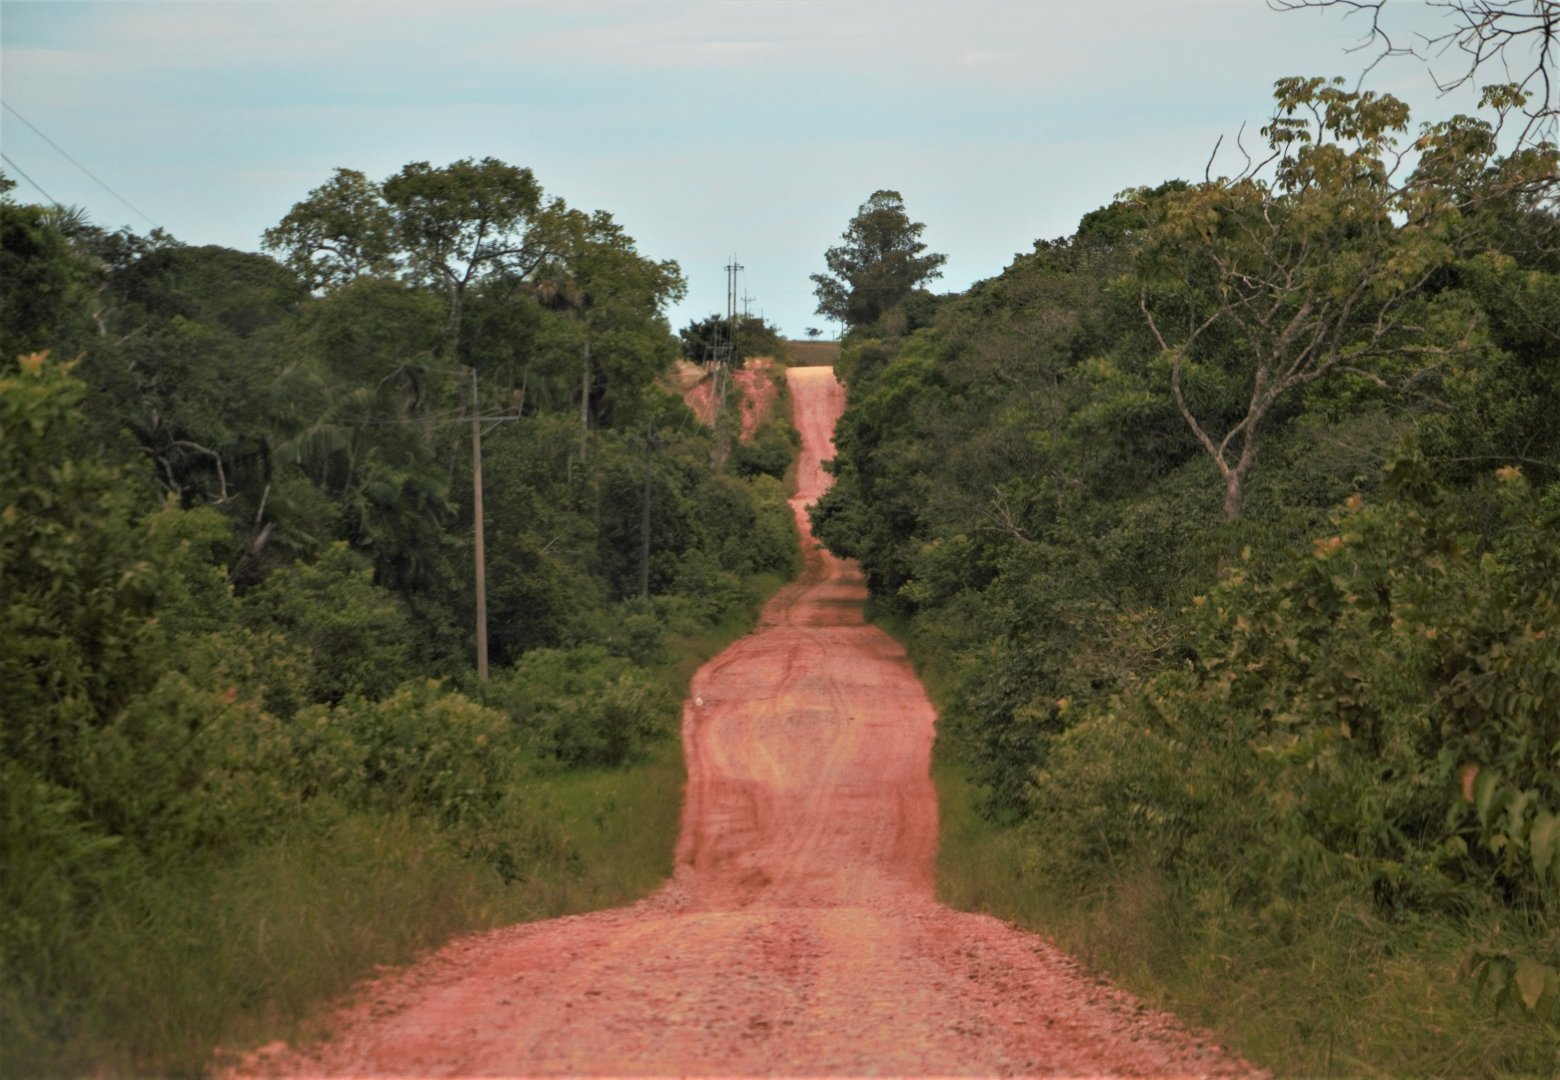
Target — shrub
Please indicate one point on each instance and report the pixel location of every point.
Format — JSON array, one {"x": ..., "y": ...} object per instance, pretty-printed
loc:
[
  {"x": 429, "y": 750},
  {"x": 582, "y": 706},
  {"x": 1380, "y": 713},
  {"x": 355, "y": 635},
  {"x": 768, "y": 453}
]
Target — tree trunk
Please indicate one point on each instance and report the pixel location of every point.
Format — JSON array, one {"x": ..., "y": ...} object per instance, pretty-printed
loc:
[{"x": 1234, "y": 493}]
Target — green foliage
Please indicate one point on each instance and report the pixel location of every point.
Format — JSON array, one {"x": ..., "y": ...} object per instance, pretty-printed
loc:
[
  {"x": 730, "y": 341},
  {"x": 76, "y": 631},
  {"x": 432, "y": 751},
  {"x": 42, "y": 285},
  {"x": 768, "y": 453},
  {"x": 353, "y": 635},
  {"x": 341, "y": 231},
  {"x": 215, "y": 286},
  {"x": 1381, "y": 708},
  {"x": 1166, "y": 708},
  {"x": 878, "y": 265},
  {"x": 583, "y": 706},
  {"x": 1257, "y": 288}
]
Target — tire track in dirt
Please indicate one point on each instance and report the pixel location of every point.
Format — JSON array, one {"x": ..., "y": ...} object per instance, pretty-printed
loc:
[{"x": 799, "y": 934}]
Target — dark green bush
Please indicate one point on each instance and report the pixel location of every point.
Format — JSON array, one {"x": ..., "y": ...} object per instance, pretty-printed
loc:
[{"x": 582, "y": 706}]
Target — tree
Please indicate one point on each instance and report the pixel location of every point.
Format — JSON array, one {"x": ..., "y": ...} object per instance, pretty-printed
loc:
[
  {"x": 44, "y": 278},
  {"x": 879, "y": 264},
  {"x": 447, "y": 227},
  {"x": 1487, "y": 33},
  {"x": 463, "y": 221},
  {"x": 1256, "y": 287},
  {"x": 342, "y": 231},
  {"x": 594, "y": 271},
  {"x": 747, "y": 335}
]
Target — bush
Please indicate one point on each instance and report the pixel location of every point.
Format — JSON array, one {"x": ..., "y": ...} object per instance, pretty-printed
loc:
[
  {"x": 432, "y": 751},
  {"x": 769, "y": 453},
  {"x": 355, "y": 635},
  {"x": 584, "y": 707},
  {"x": 1377, "y": 714}
]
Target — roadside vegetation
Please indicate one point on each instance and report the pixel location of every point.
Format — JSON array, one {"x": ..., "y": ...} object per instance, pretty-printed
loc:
[
  {"x": 1224, "y": 532},
  {"x": 245, "y": 756}
]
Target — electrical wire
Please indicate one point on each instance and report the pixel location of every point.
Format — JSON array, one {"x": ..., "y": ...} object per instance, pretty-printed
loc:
[
  {"x": 8, "y": 108},
  {"x": 29, "y": 179}
]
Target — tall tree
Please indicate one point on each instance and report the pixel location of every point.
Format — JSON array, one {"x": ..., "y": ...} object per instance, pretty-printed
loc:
[
  {"x": 879, "y": 264},
  {"x": 1256, "y": 287},
  {"x": 447, "y": 228},
  {"x": 464, "y": 221},
  {"x": 593, "y": 270},
  {"x": 342, "y": 231}
]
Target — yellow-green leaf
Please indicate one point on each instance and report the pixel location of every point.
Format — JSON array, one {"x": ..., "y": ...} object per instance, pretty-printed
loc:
[
  {"x": 1543, "y": 842},
  {"x": 1485, "y": 786},
  {"x": 1532, "y": 979}
]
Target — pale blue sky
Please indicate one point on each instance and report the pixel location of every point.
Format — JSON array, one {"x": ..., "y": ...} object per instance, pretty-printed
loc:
[{"x": 706, "y": 128}]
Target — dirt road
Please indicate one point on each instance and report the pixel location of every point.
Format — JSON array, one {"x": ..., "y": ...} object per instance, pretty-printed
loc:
[{"x": 799, "y": 935}]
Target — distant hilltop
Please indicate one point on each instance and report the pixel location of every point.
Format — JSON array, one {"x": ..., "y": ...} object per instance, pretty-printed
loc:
[{"x": 812, "y": 353}]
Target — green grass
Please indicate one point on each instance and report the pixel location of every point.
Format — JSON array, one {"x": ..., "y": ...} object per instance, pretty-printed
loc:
[
  {"x": 619, "y": 827},
  {"x": 176, "y": 963}
]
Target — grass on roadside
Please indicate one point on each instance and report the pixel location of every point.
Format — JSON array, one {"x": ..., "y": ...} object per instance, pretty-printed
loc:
[{"x": 1336, "y": 992}]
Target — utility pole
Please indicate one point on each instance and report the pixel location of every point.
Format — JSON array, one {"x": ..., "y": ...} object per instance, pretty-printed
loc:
[
  {"x": 585, "y": 397},
  {"x": 733, "y": 268},
  {"x": 476, "y": 514},
  {"x": 724, "y": 358},
  {"x": 644, "y": 521}
]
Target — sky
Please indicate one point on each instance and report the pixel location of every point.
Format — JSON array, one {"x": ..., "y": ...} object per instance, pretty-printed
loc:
[{"x": 707, "y": 128}]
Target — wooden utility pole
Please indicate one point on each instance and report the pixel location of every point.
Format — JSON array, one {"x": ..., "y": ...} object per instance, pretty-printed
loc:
[
  {"x": 585, "y": 396},
  {"x": 644, "y": 521},
  {"x": 476, "y": 514}
]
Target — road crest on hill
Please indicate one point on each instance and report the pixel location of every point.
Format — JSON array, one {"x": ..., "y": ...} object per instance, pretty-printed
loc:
[{"x": 799, "y": 934}]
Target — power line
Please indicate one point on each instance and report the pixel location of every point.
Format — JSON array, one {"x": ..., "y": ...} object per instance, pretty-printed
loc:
[
  {"x": 29, "y": 179},
  {"x": 79, "y": 165}
]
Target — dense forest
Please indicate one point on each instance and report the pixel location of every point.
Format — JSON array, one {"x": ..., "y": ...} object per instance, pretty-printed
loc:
[
  {"x": 1226, "y": 531},
  {"x": 237, "y": 562}
]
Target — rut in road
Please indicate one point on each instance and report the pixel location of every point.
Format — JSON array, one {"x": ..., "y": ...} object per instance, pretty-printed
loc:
[{"x": 799, "y": 935}]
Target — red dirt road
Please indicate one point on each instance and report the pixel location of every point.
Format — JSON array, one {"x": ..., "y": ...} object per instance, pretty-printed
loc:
[
  {"x": 753, "y": 387},
  {"x": 799, "y": 935}
]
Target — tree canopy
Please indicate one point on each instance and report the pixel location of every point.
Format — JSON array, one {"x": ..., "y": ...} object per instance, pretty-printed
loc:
[
  {"x": 1255, "y": 287},
  {"x": 1515, "y": 39},
  {"x": 879, "y": 264},
  {"x": 237, "y": 558}
]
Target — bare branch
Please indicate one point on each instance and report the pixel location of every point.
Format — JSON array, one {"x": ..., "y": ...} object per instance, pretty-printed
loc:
[
  {"x": 1517, "y": 40},
  {"x": 185, "y": 444},
  {"x": 1208, "y": 168}
]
